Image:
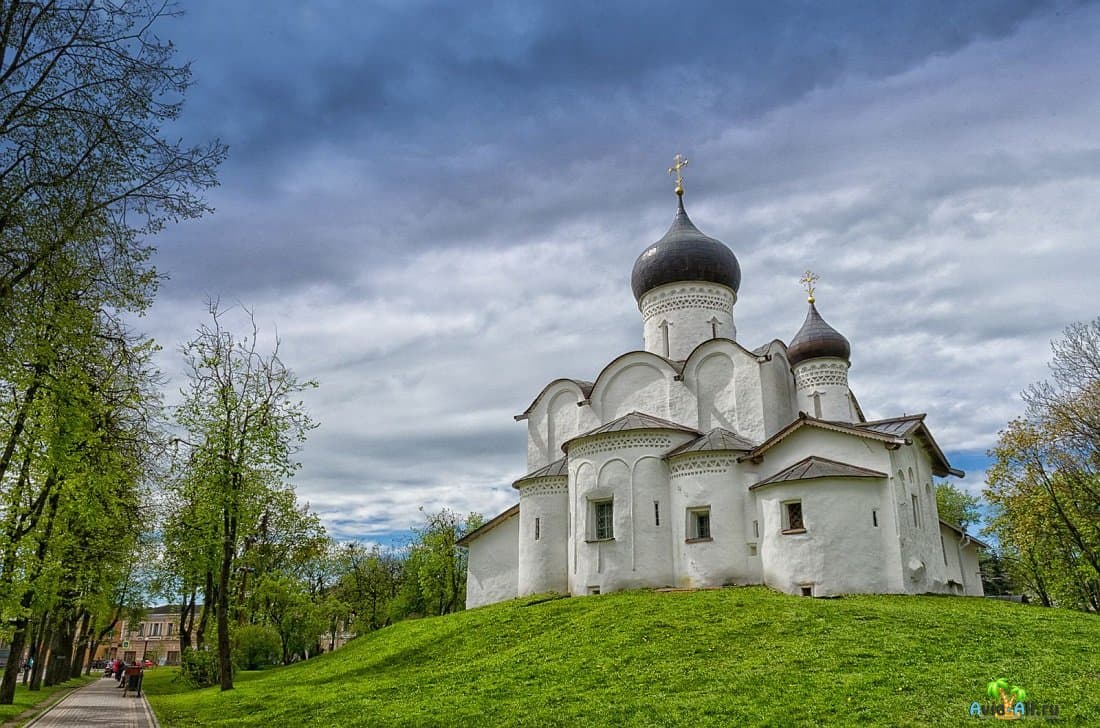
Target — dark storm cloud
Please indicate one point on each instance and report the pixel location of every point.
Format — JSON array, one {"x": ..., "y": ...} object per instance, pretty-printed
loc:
[{"x": 438, "y": 205}]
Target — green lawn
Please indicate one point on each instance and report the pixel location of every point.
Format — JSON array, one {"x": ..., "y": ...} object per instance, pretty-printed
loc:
[
  {"x": 25, "y": 699},
  {"x": 743, "y": 656}
]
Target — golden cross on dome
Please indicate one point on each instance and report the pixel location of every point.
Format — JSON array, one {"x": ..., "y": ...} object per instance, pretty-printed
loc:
[
  {"x": 681, "y": 162},
  {"x": 808, "y": 281}
]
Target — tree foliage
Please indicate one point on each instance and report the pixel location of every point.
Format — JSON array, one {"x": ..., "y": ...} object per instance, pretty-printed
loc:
[
  {"x": 1045, "y": 482},
  {"x": 244, "y": 424},
  {"x": 955, "y": 505}
]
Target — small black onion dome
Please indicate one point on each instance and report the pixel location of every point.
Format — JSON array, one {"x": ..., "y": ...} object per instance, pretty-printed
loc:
[
  {"x": 684, "y": 254},
  {"x": 817, "y": 338}
]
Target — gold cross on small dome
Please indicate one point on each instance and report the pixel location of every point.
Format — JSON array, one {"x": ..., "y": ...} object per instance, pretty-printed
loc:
[
  {"x": 680, "y": 163},
  {"x": 808, "y": 281}
]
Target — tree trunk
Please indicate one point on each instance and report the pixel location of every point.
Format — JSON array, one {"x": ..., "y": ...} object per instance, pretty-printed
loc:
[
  {"x": 81, "y": 651},
  {"x": 11, "y": 670},
  {"x": 42, "y": 655},
  {"x": 225, "y": 658}
]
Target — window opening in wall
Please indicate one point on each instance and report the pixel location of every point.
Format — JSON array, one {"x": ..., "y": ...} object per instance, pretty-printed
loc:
[
  {"x": 752, "y": 550},
  {"x": 874, "y": 518},
  {"x": 916, "y": 510},
  {"x": 171, "y": 626},
  {"x": 807, "y": 591},
  {"x": 699, "y": 524},
  {"x": 756, "y": 529},
  {"x": 792, "y": 517},
  {"x": 593, "y": 590},
  {"x": 604, "y": 516},
  {"x": 537, "y": 530},
  {"x": 155, "y": 629},
  {"x": 656, "y": 513},
  {"x": 943, "y": 548}
]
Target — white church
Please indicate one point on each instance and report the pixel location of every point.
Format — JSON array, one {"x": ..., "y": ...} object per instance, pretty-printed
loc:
[{"x": 697, "y": 462}]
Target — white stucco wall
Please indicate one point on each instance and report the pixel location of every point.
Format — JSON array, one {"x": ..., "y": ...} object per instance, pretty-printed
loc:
[
  {"x": 687, "y": 310},
  {"x": 554, "y": 418},
  {"x": 493, "y": 566},
  {"x": 543, "y": 560},
  {"x": 714, "y": 480},
  {"x": 841, "y": 551},
  {"x": 725, "y": 385},
  {"x": 828, "y": 378},
  {"x": 610, "y": 466}
]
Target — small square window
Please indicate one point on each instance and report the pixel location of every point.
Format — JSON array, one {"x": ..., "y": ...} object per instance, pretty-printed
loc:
[
  {"x": 792, "y": 517},
  {"x": 807, "y": 591},
  {"x": 699, "y": 524},
  {"x": 603, "y": 516}
]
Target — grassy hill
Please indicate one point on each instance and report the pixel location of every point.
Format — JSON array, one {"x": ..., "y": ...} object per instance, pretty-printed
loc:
[{"x": 745, "y": 656}]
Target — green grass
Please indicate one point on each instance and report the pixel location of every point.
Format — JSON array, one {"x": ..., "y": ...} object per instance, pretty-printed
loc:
[
  {"x": 743, "y": 656},
  {"x": 26, "y": 699}
]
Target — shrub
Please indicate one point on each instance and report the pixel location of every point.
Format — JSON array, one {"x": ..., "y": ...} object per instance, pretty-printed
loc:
[
  {"x": 257, "y": 646},
  {"x": 199, "y": 668}
]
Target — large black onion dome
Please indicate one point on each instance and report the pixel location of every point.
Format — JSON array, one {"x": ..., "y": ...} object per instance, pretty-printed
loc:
[
  {"x": 817, "y": 338},
  {"x": 684, "y": 254}
]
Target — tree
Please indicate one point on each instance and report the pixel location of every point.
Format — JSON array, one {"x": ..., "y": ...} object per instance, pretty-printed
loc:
[
  {"x": 435, "y": 571},
  {"x": 243, "y": 425},
  {"x": 1045, "y": 480},
  {"x": 956, "y": 506},
  {"x": 85, "y": 90}
]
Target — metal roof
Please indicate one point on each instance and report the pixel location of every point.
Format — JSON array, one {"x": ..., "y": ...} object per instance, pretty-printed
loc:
[
  {"x": 684, "y": 254},
  {"x": 817, "y": 338},
  {"x": 717, "y": 439},
  {"x": 817, "y": 467},
  {"x": 631, "y": 421},
  {"x": 556, "y": 469}
]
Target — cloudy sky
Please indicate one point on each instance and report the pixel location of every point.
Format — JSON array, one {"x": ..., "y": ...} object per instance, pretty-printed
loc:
[{"x": 438, "y": 206}]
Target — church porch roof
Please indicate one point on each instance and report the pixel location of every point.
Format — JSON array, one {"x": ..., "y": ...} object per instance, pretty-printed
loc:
[
  {"x": 556, "y": 469},
  {"x": 488, "y": 526},
  {"x": 631, "y": 421},
  {"x": 913, "y": 427},
  {"x": 716, "y": 440},
  {"x": 804, "y": 420},
  {"x": 817, "y": 467}
]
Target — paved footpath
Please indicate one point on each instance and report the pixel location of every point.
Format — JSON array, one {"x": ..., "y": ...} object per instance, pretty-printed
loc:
[{"x": 98, "y": 704}]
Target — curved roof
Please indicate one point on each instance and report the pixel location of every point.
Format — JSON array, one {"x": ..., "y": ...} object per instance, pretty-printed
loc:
[
  {"x": 630, "y": 421},
  {"x": 815, "y": 339},
  {"x": 556, "y": 469},
  {"x": 684, "y": 254},
  {"x": 584, "y": 387},
  {"x": 716, "y": 440}
]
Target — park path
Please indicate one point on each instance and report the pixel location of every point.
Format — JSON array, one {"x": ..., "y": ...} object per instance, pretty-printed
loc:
[{"x": 97, "y": 704}]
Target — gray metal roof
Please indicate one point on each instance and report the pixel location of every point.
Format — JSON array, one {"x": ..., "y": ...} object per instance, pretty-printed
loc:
[
  {"x": 817, "y": 338},
  {"x": 556, "y": 469},
  {"x": 717, "y": 439},
  {"x": 897, "y": 426},
  {"x": 684, "y": 254},
  {"x": 632, "y": 421},
  {"x": 816, "y": 467}
]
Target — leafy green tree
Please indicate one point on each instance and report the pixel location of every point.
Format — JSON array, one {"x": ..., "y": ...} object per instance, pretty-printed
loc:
[
  {"x": 257, "y": 646},
  {"x": 955, "y": 505},
  {"x": 1045, "y": 481},
  {"x": 86, "y": 90},
  {"x": 435, "y": 570},
  {"x": 243, "y": 423}
]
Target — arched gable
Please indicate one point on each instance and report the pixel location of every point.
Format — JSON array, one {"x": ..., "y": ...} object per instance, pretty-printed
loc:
[
  {"x": 552, "y": 418},
  {"x": 724, "y": 379},
  {"x": 636, "y": 381}
]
